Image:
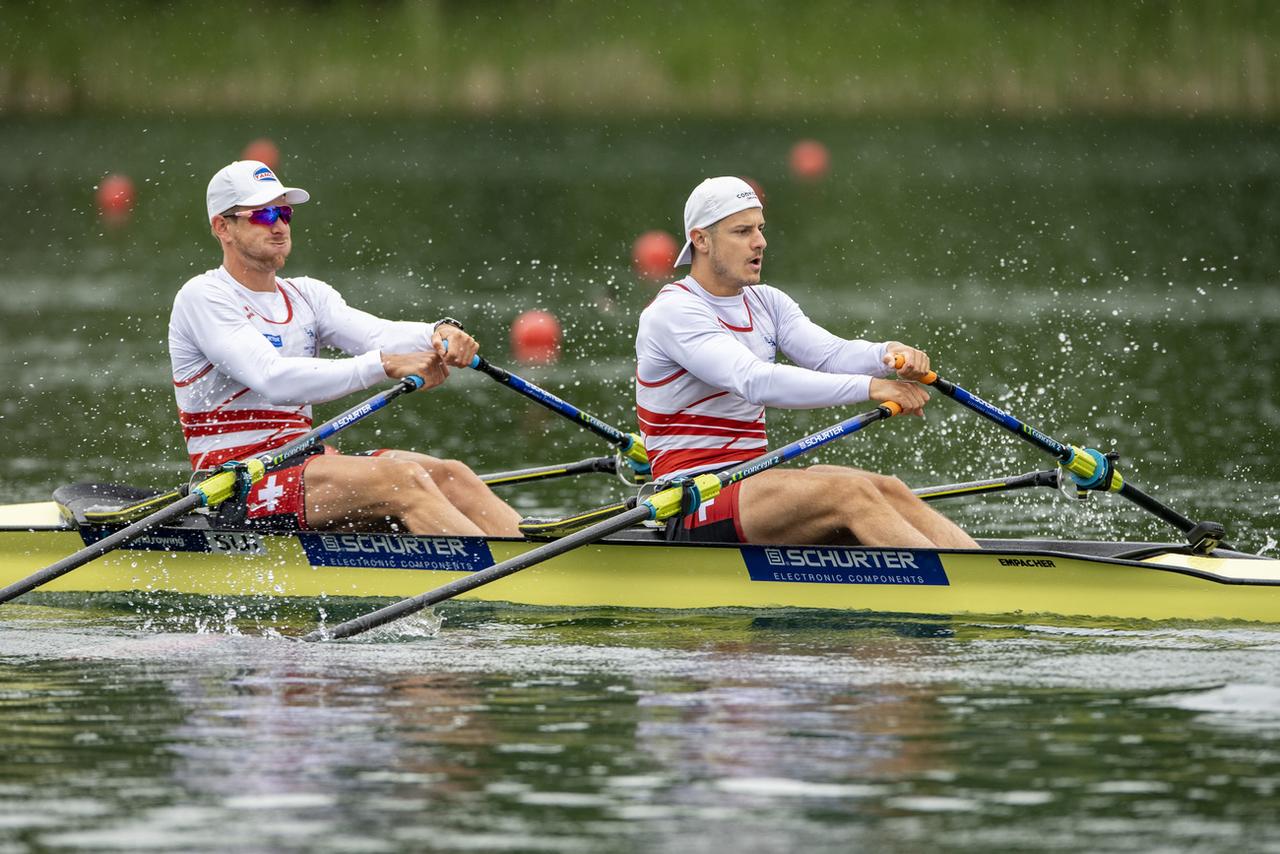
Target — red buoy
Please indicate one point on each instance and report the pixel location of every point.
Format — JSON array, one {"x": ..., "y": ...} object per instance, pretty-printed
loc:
[
  {"x": 755, "y": 185},
  {"x": 653, "y": 255},
  {"x": 115, "y": 198},
  {"x": 809, "y": 160},
  {"x": 262, "y": 149},
  {"x": 535, "y": 337}
]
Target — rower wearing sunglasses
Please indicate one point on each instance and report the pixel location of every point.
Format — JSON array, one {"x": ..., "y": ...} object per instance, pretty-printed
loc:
[{"x": 245, "y": 350}]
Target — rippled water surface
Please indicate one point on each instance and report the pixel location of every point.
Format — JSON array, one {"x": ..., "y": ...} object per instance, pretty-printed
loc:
[
  {"x": 517, "y": 729},
  {"x": 1112, "y": 282}
]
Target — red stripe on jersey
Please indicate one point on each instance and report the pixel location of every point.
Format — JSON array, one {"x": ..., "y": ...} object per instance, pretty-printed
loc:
[
  {"x": 218, "y": 456},
  {"x": 666, "y": 462},
  {"x": 750, "y": 323},
  {"x": 694, "y": 430},
  {"x": 661, "y": 419},
  {"x": 183, "y": 383},
  {"x": 662, "y": 381},
  {"x": 248, "y": 426},
  {"x": 288, "y": 304},
  {"x": 222, "y": 416}
]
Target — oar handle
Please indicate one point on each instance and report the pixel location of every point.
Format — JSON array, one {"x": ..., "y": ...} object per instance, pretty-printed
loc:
[{"x": 928, "y": 379}]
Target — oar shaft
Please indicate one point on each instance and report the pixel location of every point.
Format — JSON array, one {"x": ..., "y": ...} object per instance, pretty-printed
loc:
[
  {"x": 540, "y": 395},
  {"x": 594, "y": 465},
  {"x": 808, "y": 443},
  {"x": 341, "y": 422},
  {"x": 994, "y": 413},
  {"x": 542, "y": 553},
  {"x": 101, "y": 547},
  {"x": 1079, "y": 463},
  {"x": 1047, "y": 478},
  {"x": 1157, "y": 508}
]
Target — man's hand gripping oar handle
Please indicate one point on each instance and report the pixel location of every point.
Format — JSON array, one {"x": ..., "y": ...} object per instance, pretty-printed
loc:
[
  {"x": 630, "y": 446},
  {"x": 1091, "y": 469}
]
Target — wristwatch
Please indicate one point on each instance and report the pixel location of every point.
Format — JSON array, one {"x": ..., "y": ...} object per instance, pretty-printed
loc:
[{"x": 449, "y": 321}]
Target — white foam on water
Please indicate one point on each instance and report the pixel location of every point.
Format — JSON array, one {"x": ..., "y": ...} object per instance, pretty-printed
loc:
[
  {"x": 786, "y": 787},
  {"x": 281, "y": 801},
  {"x": 932, "y": 804},
  {"x": 1242, "y": 704}
]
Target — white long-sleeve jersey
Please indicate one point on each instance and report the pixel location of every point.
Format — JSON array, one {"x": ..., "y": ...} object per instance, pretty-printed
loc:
[
  {"x": 706, "y": 371},
  {"x": 245, "y": 366}
]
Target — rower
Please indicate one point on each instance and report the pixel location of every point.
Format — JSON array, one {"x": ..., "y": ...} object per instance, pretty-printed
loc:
[
  {"x": 244, "y": 346},
  {"x": 706, "y": 351}
]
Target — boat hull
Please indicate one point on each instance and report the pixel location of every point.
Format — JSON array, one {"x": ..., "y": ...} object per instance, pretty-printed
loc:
[{"x": 638, "y": 570}]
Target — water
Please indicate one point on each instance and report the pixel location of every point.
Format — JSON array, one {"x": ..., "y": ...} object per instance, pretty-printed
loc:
[
  {"x": 1111, "y": 282},
  {"x": 519, "y": 729}
]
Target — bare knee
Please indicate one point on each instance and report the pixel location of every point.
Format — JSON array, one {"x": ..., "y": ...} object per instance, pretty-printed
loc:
[
  {"x": 455, "y": 471},
  {"x": 405, "y": 480},
  {"x": 890, "y": 486},
  {"x": 859, "y": 491}
]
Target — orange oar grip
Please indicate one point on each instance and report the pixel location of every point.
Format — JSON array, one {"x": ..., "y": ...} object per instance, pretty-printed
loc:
[
  {"x": 927, "y": 379},
  {"x": 894, "y": 409}
]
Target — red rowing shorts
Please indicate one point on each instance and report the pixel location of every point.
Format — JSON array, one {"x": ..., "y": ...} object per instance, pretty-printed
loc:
[
  {"x": 716, "y": 521},
  {"x": 278, "y": 502}
]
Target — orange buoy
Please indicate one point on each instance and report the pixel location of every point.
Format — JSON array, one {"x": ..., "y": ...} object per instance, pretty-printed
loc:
[
  {"x": 262, "y": 149},
  {"x": 535, "y": 337},
  {"x": 653, "y": 255},
  {"x": 809, "y": 160},
  {"x": 115, "y": 196}
]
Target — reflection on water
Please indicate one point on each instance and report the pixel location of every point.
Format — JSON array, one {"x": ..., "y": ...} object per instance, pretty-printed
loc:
[{"x": 534, "y": 729}]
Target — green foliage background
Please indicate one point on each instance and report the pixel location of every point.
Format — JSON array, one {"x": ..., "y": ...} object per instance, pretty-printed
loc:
[{"x": 572, "y": 56}]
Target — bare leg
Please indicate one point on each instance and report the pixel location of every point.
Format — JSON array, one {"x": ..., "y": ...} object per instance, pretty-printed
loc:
[
  {"x": 830, "y": 509},
  {"x": 466, "y": 491},
  {"x": 353, "y": 491},
  {"x": 942, "y": 531}
]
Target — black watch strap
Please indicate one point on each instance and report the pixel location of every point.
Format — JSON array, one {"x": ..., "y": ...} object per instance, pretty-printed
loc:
[{"x": 451, "y": 322}]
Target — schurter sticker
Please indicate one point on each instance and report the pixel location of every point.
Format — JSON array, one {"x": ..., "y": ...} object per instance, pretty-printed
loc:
[
  {"x": 841, "y": 565},
  {"x": 393, "y": 551}
]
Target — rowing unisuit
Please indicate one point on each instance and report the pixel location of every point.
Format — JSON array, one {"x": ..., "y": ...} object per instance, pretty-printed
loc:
[
  {"x": 706, "y": 369},
  {"x": 245, "y": 367}
]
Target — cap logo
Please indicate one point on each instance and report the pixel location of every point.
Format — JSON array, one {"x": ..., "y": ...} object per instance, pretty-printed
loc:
[
  {"x": 746, "y": 194},
  {"x": 264, "y": 174}
]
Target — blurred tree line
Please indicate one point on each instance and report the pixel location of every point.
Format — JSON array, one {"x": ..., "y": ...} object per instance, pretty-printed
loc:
[{"x": 718, "y": 57}]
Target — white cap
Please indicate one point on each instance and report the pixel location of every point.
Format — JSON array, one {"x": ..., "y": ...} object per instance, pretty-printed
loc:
[
  {"x": 711, "y": 201},
  {"x": 250, "y": 183}
]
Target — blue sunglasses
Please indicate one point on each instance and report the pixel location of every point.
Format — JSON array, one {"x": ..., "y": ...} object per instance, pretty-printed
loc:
[{"x": 267, "y": 216}]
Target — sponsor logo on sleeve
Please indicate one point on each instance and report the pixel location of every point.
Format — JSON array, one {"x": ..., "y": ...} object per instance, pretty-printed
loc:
[
  {"x": 843, "y": 565},
  {"x": 277, "y": 341}
]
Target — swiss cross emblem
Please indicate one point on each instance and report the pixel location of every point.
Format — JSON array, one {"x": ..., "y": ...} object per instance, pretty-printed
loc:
[{"x": 271, "y": 493}]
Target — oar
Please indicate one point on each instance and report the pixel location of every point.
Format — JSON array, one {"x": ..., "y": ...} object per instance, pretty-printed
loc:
[
  {"x": 1089, "y": 468},
  {"x": 1048, "y": 477},
  {"x": 594, "y": 465},
  {"x": 233, "y": 480},
  {"x": 683, "y": 498},
  {"x": 629, "y": 445}
]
